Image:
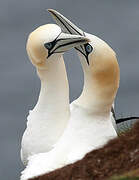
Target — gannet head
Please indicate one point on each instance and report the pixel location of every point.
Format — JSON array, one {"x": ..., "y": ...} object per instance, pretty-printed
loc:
[
  {"x": 97, "y": 58},
  {"x": 48, "y": 42}
]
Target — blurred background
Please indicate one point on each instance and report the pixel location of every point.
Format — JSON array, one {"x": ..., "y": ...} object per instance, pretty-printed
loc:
[{"x": 117, "y": 22}]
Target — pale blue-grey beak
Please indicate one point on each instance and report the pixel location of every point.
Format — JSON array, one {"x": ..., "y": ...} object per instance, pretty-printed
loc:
[{"x": 68, "y": 27}]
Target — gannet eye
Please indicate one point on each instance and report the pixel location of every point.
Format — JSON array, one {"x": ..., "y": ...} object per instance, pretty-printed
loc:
[
  {"x": 88, "y": 48},
  {"x": 48, "y": 45}
]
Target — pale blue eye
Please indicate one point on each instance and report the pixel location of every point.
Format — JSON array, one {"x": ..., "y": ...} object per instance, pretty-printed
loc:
[
  {"x": 88, "y": 48},
  {"x": 48, "y": 45}
]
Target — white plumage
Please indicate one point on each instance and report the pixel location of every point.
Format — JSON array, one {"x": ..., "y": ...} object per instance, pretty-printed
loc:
[{"x": 90, "y": 125}]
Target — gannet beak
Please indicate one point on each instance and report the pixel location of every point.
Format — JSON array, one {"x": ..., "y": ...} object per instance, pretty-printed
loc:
[
  {"x": 68, "y": 27},
  {"x": 64, "y": 42}
]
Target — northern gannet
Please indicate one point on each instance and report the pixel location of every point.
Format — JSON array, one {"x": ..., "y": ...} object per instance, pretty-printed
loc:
[
  {"x": 90, "y": 124},
  {"x": 47, "y": 121},
  {"x": 68, "y": 27}
]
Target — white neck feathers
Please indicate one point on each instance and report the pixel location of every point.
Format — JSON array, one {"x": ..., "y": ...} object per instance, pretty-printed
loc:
[{"x": 54, "y": 93}]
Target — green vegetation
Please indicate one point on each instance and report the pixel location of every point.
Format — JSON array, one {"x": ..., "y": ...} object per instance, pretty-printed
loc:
[
  {"x": 132, "y": 175},
  {"x": 124, "y": 127}
]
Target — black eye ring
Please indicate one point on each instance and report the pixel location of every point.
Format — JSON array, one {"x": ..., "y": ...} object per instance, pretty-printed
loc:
[
  {"x": 48, "y": 45},
  {"x": 88, "y": 48}
]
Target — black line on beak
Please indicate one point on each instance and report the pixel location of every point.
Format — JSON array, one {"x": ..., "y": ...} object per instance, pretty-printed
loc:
[
  {"x": 50, "y": 53},
  {"x": 86, "y": 56},
  {"x": 66, "y": 26}
]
